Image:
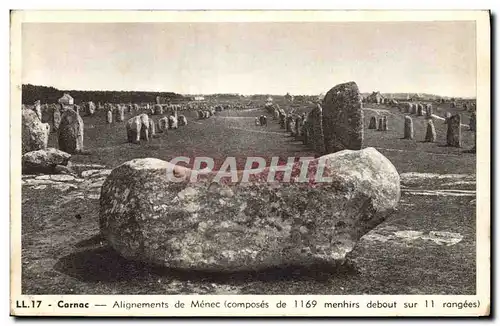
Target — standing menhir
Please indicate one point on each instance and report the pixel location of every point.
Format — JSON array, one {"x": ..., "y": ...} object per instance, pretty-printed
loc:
[
  {"x": 373, "y": 123},
  {"x": 172, "y": 122},
  {"x": 109, "y": 116},
  {"x": 380, "y": 124},
  {"x": 413, "y": 108},
  {"x": 428, "y": 110},
  {"x": 163, "y": 124},
  {"x": 263, "y": 120},
  {"x": 447, "y": 117},
  {"x": 408, "y": 131},
  {"x": 182, "y": 120},
  {"x": 282, "y": 120},
  {"x": 420, "y": 109},
  {"x": 472, "y": 122},
  {"x": 56, "y": 117},
  {"x": 317, "y": 139},
  {"x": 288, "y": 123},
  {"x": 137, "y": 128},
  {"x": 34, "y": 132},
  {"x": 454, "y": 132},
  {"x": 385, "y": 127},
  {"x": 121, "y": 113},
  {"x": 37, "y": 107},
  {"x": 276, "y": 114},
  {"x": 306, "y": 131},
  {"x": 158, "y": 109},
  {"x": 299, "y": 123},
  {"x": 71, "y": 132},
  {"x": 152, "y": 129},
  {"x": 430, "y": 134}
]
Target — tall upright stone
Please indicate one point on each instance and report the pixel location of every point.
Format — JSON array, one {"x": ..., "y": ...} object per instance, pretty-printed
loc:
[
  {"x": 34, "y": 132},
  {"x": 420, "y": 109},
  {"x": 306, "y": 131},
  {"x": 430, "y": 134},
  {"x": 408, "y": 131},
  {"x": 158, "y": 109},
  {"x": 120, "y": 113},
  {"x": 282, "y": 120},
  {"x": 428, "y": 110},
  {"x": 380, "y": 124},
  {"x": 316, "y": 136},
  {"x": 37, "y": 107},
  {"x": 454, "y": 133},
  {"x": 413, "y": 108},
  {"x": 385, "y": 126},
  {"x": 298, "y": 127},
  {"x": 288, "y": 126},
  {"x": 342, "y": 118},
  {"x": 56, "y": 118},
  {"x": 373, "y": 123},
  {"x": 109, "y": 116},
  {"x": 472, "y": 122},
  {"x": 71, "y": 132}
]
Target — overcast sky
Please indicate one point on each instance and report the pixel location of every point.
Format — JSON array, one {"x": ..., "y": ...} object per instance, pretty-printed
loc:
[{"x": 249, "y": 58}]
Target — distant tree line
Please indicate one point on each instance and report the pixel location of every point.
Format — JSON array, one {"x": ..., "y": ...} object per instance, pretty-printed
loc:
[{"x": 32, "y": 93}]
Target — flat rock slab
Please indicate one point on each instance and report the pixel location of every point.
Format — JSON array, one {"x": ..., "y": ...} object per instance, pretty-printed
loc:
[{"x": 218, "y": 225}]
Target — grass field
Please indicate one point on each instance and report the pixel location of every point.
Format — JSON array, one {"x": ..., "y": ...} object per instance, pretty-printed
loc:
[{"x": 426, "y": 247}]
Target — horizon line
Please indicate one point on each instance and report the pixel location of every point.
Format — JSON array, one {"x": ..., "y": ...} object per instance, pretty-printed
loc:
[{"x": 243, "y": 94}]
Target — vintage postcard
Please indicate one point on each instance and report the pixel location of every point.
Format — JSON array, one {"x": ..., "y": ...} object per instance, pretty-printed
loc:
[{"x": 250, "y": 163}]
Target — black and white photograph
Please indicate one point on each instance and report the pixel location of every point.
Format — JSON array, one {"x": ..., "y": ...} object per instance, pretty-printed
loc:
[{"x": 298, "y": 157}]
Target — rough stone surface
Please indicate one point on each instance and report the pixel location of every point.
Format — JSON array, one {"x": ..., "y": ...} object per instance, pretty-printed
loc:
[
  {"x": 373, "y": 123},
  {"x": 343, "y": 118},
  {"x": 428, "y": 109},
  {"x": 299, "y": 123},
  {"x": 380, "y": 124},
  {"x": 71, "y": 132},
  {"x": 152, "y": 128},
  {"x": 163, "y": 124},
  {"x": 306, "y": 131},
  {"x": 158, "y": 109},
  {"x": 408, "y": 131},
  {"x": 37, "y": 107},
  {"x": 316, "y": 136},
  {"x": 137, "y": 128},
  {"x": 454, "y": 132},
  {"x": 413, "y": 108},
  {"x": 56, "y": 118},
  {"x": 182, "y": 120},
  {"x": 226, "y": 226},
  {"x": 472, "y": 122},
  {"x": 120, "y": 112},
  {"x": 44, "y": 160},
  {"x": 385, "y": 126},
  {"x": 34, "y": 132},
  {"x": 282, "y": 120},
  {"x": 430, "y": 134},
  {"x": 420, "y": 109},
  {"x": 109, "y": 116}
]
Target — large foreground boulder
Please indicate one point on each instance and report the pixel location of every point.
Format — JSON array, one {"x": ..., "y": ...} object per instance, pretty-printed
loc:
[
  {"x": 223, "y": 225},
  {"x": 44, "y": 161},
  {"x": 34, "y": 132}
]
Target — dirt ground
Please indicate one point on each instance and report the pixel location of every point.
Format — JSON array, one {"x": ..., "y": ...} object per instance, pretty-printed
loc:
[{"x": 427, "y": 246}]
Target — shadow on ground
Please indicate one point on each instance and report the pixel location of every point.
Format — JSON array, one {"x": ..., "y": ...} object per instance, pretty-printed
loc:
[{"x": 103, "y": 264}]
